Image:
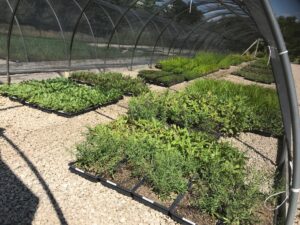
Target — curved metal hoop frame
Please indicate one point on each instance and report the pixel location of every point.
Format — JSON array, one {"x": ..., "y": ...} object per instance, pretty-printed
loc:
[
  {"x": 248, "y": 14},
  {"x": 11, "y": 24}
]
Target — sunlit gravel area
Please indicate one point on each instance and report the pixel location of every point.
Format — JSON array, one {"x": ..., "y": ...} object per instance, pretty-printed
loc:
[
  {"x": 36, "y": 185},
  {"x": 35, "y": 149}
]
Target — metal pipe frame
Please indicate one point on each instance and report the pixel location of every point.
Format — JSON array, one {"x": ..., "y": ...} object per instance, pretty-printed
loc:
[
  {"x": 82, "y": 13},
  {"x": 178, "y": 35},
  {"x": 140, "y": 19},
  {"x": 144, "y": 27},
  {"x": 76, "y": 27},
  {"x": 161, "y": 33},
  {"x": 59, "y": 25},
  {"x": 193, "y": 30},
  {"x": 241, "y": 32},
  {"x": 292, "y": 98},
  {"x": 132, "y": 4},
  {"x": 111, "y": 21},
  {"x": 20, "y": 30},
  {"x": 11, "y": 24},
  {"x": 197, "y": 42},
  {"x": 202, "y": 22},
  {"x": 104, "y": 3},
  {"x": 156, "y": 28}
]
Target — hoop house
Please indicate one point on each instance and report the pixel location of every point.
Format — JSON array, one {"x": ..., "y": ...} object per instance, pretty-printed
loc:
[{"x": 57, "y": 35}]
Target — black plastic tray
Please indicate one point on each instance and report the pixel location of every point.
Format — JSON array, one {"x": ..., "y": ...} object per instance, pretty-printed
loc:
[
  {"x": 59, "y": 113},
  {"x": 169, "y": 211}
]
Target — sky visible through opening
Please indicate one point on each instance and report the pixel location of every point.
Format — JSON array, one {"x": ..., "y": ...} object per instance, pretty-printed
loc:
[{"x": 286, "y": 8}]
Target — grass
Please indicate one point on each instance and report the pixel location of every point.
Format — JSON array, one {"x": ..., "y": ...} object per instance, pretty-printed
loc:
[
  {"x": 179, "y": 69},
  {"x": 257, "y": 71},
  {"x": 54, "y": 49},
  {"x": 218, "y": 107},
  {"x": 60, "y": 94},
  {"x": 108, "y": 81},
  {"x": 169, "y": 156}
]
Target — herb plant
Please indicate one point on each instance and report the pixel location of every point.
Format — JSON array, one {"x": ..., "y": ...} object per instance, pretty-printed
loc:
[
  {"x": 179, "y": 69},
  {"x": 108, "y": 81},
  {"x": 214, "y": 106},
  {"x": 60, "y": 94},
  {"x": 169, "y": 156},
  {"x": 257, "y": 71}
]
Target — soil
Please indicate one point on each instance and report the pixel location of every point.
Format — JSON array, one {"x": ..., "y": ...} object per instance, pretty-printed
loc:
[
  {"x": 123, "y": 177},
  {"x": 191, "y": 213},
  {"x": 265, "y": 217},
  {"x": 147, "y": 192}
]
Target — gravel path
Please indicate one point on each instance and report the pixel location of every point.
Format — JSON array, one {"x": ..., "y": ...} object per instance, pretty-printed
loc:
[
  {"x": 35, "y": 149},
  {"x": 261, "y": 153}
]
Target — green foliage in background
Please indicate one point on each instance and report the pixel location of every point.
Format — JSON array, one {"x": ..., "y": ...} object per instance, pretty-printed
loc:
[
  {"x": 290, "y": 28},
  {"x": 258, "y": 71},
  {"x": 179, "y": 69}
]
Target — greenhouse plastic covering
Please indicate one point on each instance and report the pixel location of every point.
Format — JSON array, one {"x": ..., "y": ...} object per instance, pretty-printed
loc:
[{"x": 60, "y": 35}]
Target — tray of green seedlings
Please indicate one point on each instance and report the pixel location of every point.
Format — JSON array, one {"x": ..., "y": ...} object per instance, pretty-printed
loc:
[
  {"x": 111, "y": 80},
  {"x": 258, "y": 71},
  {"x": 178, "y": 69},
  {"x": 170, "y": 169},
  {"x": 221, "y": 108},
  {"x": 161, "y": 78},
  {"x": 60, "y": 96}
]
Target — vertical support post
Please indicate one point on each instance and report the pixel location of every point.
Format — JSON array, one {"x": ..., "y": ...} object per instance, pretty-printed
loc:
[
  {"x": 11, "y": 24},
  {"x": 257, "y": 44},
  {"x": 75, "y": 30},
  {"x": 292, "y": 98}
]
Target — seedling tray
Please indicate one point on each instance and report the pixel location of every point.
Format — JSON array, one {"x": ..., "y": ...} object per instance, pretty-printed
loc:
[
  {"x": 154, "y": 82},
  {"x": 133, "y": 193},
  {"x": 59, "y": 113},
  {"x": 93, "y": 85}
]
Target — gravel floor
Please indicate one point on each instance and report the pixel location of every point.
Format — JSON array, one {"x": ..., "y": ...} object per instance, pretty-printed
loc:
[
  {"x": 261, "y": 153},
  {"x": 35, "y": 150}
]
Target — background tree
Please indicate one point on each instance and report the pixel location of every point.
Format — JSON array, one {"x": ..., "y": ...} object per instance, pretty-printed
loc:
[{"x": 290, "y": 28}]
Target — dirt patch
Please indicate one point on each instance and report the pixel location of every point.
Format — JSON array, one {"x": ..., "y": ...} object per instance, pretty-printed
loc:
[
  {"x": 148, "y": 192},
  {"x": 37, "y": 147},
  {"x": 123, "y": 177},
  {"x": 189, "y": 212}
]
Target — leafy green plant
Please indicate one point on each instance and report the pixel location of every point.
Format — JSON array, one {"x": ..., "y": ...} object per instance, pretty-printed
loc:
[
  {"x": 108, "y": 81},
  {"x": 178, "y": 69},
  {"x": 233, "y": 60},
  {"x": 214, "y": 106},
  {"x": 257, "y": 71},
  {"x": 161, "y": 77},
  {"x": 169, "y": 156},
  {"x": 60, "y": 94}
]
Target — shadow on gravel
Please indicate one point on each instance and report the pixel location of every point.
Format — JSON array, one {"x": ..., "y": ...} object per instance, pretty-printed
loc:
[
  {"x": 11, "y": 107},
  {"x": 256, "y": 151},
  {"x": 43, "y": 183},
  {"x": 17, "y": 203}
]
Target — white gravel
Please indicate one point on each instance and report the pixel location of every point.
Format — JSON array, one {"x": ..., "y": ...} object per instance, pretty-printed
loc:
[
  {"x": 261, "y": 153},
  {"x": 43, "y": 148}
]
